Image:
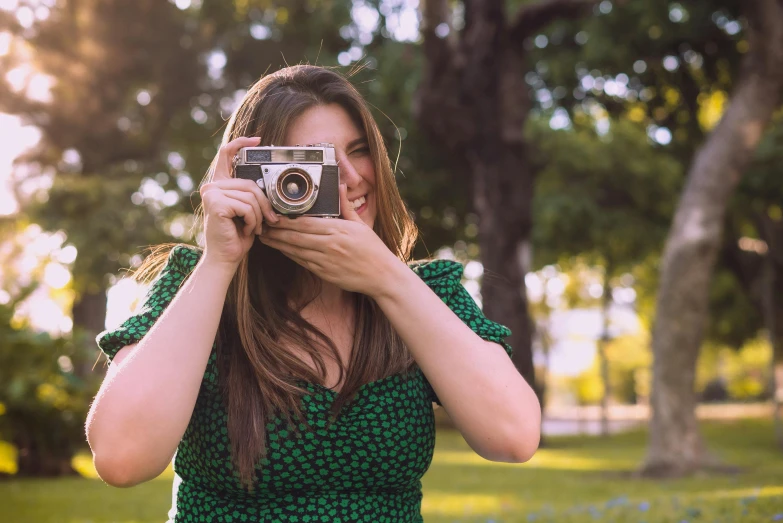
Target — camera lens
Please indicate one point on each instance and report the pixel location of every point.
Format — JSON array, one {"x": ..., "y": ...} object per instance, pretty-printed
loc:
[{"x": 294, "y": 186}]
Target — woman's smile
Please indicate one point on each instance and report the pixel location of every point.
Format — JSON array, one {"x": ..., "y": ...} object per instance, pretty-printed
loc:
[{"x": 359, "y": 204}]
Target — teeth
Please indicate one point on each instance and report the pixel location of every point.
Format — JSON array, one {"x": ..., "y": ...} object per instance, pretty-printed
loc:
[{"x": 358, "y": 202}]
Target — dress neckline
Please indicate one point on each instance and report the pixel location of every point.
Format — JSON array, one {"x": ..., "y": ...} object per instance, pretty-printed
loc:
[{"x": 368, "y": 385}]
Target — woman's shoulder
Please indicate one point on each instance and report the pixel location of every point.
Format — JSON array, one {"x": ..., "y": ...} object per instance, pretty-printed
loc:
[
  {"x": 184, "y": 256},
  {"x": 440, "y": 275},
  {"x": 434, "y": 269},
  {"x": 167, "y": 267}
]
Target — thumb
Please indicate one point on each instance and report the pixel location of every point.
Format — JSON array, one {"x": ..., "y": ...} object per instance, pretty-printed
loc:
[{"x": 346, "y": 207}]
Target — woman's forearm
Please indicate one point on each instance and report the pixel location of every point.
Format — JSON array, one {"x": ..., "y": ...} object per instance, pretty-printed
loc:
[
  {"x": 493, "y": 406},
  {"x": 147, "y": 397}
]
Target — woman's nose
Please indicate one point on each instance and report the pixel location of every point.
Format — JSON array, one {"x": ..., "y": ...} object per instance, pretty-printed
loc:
[{"x": 348, "y": 175}]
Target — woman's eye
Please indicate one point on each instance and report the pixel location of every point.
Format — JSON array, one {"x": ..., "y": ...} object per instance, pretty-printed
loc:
[{"x": 361, "y": 150}]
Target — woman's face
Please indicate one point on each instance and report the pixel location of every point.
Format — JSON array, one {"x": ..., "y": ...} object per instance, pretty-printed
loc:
[{"x": 331, "y": 124}]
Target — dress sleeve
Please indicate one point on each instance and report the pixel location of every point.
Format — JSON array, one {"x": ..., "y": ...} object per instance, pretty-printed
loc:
[
  {"x": 444, "y": 277},
  {"x": 181, "y": 261}
]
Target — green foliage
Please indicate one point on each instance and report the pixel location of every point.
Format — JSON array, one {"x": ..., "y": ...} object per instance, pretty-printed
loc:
[
  {"x": 754, "y": 233},
  {"x": 103, "y": 231},
  {"x": 699, "y": 36},
  {"x": 734, "y": 318},
  {"x": 744, "y": 373},
  {"x": 677, "y": 65},
  {"x": 629, "y": 373},
  {"x": 595, "y": 193},
  {"x": 588, "y": 389},
  {"x": 119, "y": 87},
  {"x": 607, "y": 200},
  {"x": 43, "y": 403}
]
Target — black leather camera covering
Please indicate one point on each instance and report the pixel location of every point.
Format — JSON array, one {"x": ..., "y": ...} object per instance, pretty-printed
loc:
[
  {"x": 328, "y": 201},
  {"x": 248, "y": 172}
]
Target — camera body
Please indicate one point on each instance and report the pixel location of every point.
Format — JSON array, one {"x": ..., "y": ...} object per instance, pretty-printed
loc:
[{"x": 300, "y": 180}]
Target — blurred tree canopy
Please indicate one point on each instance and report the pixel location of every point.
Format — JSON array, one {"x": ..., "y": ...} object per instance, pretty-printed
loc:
[{"x": 43, "y": 401}]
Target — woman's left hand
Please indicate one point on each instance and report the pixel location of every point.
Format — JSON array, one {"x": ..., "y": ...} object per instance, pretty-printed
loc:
[{"x": 344, "y": 252}]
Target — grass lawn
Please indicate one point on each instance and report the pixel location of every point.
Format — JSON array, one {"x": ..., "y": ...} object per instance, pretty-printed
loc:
[{"x": 574, "y": 479}]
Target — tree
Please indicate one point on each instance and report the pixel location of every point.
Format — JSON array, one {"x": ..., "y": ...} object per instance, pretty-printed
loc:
[
  {"x": 45, "y": 406},
  {"x": 672, "y": 74},
  {"x": 473, "y": 101},
  {"x": 694, "y": 240},
  {"x": 117, "y": 85},
  {"x": 43, "y": 401}
]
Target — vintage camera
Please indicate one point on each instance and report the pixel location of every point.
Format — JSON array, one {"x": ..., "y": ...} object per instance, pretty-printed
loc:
[{"x": 297, "y": 180}]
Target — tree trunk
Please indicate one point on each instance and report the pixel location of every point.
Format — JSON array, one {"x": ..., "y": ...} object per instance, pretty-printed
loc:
[
  {"x": 777, "y": 388},
  {"x": 475, "y": 106},
  {"x": 772, "y": 309},
  {"x": 676, "y": 446},
  {"x": 473, "y": 102},
  {"x": 89, "y": 317},
  {"x": 760, "y": 273},
  {"x": 37, "y": 459},
  {"x": 503, "y": 192},
  {"x": 89, "y": 312},
  {"x": 606, "y": 303}
]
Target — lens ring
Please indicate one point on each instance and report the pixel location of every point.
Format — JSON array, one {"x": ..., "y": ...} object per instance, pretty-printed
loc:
[{"x": 294, "y": 187}]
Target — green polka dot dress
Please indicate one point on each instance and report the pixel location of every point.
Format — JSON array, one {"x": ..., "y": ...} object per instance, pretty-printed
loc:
[{"x": 367, "y": 466}]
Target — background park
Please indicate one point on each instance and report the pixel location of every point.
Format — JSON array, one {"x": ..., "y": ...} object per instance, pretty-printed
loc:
[{"x": 608, "y": 172}]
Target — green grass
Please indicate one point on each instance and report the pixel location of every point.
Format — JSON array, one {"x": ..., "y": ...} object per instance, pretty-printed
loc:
[
  {"x": 574, "y": 479},
  {"x": 579, "y": 479}
]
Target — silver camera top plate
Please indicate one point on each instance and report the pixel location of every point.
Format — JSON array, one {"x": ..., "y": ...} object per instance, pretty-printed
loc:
[{"x": 318, "y": 153}]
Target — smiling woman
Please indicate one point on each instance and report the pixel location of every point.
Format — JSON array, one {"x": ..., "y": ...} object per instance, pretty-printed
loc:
[{"x": 292, "y": 364}]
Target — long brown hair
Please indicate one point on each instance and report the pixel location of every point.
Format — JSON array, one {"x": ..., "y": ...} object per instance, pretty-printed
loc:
[{"x": 259, "y": 377}]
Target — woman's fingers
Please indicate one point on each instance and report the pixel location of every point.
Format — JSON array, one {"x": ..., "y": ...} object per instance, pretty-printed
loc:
[
  {"x": 245, "y": 211},
  {"x": 218, "y": 204},
  {"x": 249, "y": 199},
  {"x": 266, "y": 207},
  {"x": 226, "y": 155},
  {"x": 308, "y": 225},
  {"x": 250, "y": 186},
  {"x": 346, "y": 207},
  {"x": 300, "y": 251},
  {"x": 314, "y": 242}
]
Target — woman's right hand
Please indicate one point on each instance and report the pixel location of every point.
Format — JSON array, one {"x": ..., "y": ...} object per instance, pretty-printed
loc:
[{"x": 225, "y": 199}]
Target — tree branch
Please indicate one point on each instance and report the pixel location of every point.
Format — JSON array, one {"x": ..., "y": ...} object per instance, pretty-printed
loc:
[{"x": 532, "y": 18}]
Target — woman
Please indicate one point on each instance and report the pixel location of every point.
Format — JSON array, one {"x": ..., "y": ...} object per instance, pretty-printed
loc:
[{"x": 292, "y": 363}]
